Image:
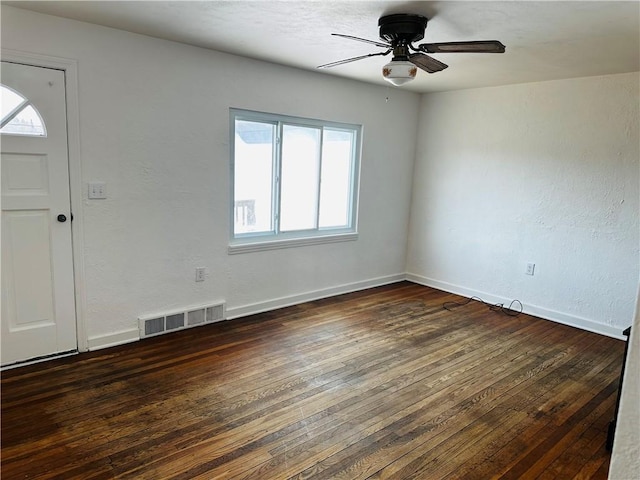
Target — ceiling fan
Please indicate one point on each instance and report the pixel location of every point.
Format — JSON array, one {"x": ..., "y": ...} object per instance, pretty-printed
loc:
[{"x": 398, "y": 32}]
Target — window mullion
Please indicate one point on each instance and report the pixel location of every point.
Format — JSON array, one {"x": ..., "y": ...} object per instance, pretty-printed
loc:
[
  {"x": 277, "y": 156},
  {"x": 13, "y": 113},
  {"x": 319, "y": 179},
  {"x": 352, "y": 173}
]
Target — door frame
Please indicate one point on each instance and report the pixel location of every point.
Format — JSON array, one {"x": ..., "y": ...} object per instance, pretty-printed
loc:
[{"x": 70, "y": 68}]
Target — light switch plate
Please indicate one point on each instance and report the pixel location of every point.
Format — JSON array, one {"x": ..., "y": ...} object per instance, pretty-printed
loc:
[{"x": 97, "y": 190}]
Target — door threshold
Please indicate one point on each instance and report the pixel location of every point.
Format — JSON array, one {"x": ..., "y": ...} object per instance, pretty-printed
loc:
[{"x": 44, "y": 358}]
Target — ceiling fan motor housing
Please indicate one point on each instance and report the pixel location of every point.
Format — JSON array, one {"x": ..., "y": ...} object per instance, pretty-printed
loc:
[{"x": 402, "y": 28}]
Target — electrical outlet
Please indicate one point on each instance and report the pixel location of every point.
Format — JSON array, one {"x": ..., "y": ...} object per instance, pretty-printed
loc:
[
  {"x": 530, "y": 268},
  {"x": 200, "y": 274}
]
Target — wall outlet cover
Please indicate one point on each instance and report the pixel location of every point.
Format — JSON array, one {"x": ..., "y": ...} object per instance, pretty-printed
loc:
[{"x": 200, "y": 274}]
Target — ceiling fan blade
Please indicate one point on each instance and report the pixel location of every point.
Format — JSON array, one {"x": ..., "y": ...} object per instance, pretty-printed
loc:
[
  {"x": 480, "y": 46},
  {"x": 349, "y": 60},
  {"x": 426, "y": 63},
  {"x": 377, "y": 43}
]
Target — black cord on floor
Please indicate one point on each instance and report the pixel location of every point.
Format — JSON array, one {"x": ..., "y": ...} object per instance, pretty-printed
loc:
[{"x": 497, "y": 307}]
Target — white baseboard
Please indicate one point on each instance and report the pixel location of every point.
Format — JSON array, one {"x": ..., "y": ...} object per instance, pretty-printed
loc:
[
  {"x": 541, "y": 312},
  {"x": 260, "y": 307},
  {"x": 127, "y": 336},
  {"x": 113, "y": 339}
]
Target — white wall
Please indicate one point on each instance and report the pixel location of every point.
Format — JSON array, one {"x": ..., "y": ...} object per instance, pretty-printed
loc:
[
  {"x": 154, "y": 125},
  {"x": 545, "y": 173}
]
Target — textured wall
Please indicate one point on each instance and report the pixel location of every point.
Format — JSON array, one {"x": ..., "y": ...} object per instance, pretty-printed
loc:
[
  {"x": 545, "y": 173},
  {"x": 154, "y": 121}
]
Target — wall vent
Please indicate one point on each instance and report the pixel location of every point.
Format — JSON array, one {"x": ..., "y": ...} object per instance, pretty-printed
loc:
[{"x": 157, "y": 324}]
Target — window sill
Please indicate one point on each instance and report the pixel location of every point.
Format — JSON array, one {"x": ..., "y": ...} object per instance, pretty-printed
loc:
[{"x": 258, "y": 246}]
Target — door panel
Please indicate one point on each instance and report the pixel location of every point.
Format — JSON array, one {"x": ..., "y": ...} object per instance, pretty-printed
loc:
[
  {"x": 29, "y": 269},
  {"x": 38, "y": 298},
  {"x": 23, "y": 175}
]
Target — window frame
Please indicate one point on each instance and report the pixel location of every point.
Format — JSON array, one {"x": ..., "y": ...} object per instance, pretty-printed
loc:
[{"x": 257, "y": 241}]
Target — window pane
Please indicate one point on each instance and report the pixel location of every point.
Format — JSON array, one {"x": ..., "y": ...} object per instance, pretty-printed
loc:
[
  {"x": 300, "y": 171},
  {"x": 335, "y": 190},
  {"x": 253, "y": 177},
  {"x": 27, "y": 122},
  {"x": 9, "y": 100}
]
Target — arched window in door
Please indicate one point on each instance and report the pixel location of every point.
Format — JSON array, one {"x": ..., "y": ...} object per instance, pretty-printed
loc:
[{"x": 19, "y": 116}]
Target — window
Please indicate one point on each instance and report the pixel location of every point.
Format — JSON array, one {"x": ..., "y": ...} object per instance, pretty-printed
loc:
[
  {"x": 18, "y": 116},
  {"x": 295, "y": 181}
]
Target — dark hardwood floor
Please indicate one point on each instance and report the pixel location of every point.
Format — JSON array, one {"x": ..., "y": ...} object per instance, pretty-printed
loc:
[{"x": 382, "y": 383}]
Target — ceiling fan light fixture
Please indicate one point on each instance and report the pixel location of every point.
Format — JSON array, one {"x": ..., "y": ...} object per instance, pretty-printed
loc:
[{"x": 399, "y": 72}]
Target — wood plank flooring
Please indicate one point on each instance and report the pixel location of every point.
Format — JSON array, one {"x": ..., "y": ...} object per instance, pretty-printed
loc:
[{"x": 380, "y": 384}]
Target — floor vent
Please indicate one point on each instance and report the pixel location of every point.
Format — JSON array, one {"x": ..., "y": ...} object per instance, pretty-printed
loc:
[{"x": 152, "y": 325}]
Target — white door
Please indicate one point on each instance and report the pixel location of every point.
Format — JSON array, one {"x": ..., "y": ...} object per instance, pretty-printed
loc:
[{"x": 38, "y": 300}]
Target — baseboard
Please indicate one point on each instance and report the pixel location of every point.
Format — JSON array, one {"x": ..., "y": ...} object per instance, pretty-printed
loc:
[
  {"x": 260, "y": 307},
  {"x": 537, "y": 311},
  {"x": 113, "y": 339},
  {"x": 127, "y": 336}
]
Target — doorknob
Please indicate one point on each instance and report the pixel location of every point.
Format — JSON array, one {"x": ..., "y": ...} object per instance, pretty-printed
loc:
[{"x": 62, "y": 218}]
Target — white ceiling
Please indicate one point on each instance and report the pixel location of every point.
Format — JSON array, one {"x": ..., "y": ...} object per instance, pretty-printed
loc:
[{"x": 545, "y": 40}]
